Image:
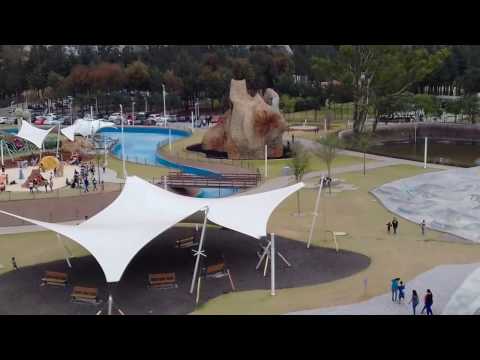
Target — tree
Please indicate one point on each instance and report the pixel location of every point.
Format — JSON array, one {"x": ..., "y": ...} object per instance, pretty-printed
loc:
[
  {"x": 363, "y": 142},
  {"x": 471, "y": 107},
  {"x": 299, "y": 163},
  {"x": 138, "y": 75},
  {"x": 327, "y": 150},
  {"x": 376, "y": 71}
]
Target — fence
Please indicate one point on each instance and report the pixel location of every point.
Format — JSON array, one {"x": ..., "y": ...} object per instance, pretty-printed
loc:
[{"x": 59, "y": 193}]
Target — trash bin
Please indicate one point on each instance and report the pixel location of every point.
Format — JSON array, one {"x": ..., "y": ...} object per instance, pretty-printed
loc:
[{"x": 286, "y": 171}]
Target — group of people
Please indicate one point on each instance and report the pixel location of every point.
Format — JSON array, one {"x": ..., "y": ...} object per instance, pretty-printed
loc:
[
  {"x": 398, "y": 294},
  {"x": 35, "y": 184},
  {"x": 81, "y": 179},
  {"x": 392, "y": 224}
]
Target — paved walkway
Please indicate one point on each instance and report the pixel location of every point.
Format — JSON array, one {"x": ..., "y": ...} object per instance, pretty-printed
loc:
[
  {"x": 379, "y": 161},
  {"x": 442, "y": 280}
]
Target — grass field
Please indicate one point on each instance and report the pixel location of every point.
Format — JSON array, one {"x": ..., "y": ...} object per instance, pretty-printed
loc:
[
  {"x": 316, "y": 164},
  {"x": 358, "y": 213}
]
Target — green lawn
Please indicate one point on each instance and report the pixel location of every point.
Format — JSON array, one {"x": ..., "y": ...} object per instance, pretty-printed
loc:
[
  {"x": 362, "y": 217},
  {"x": 316, "y": 164}
]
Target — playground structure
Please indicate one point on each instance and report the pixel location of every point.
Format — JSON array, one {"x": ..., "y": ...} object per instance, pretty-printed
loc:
[
  {"x": 35, "y": 177},
  {"x": 49, "y": 163}
]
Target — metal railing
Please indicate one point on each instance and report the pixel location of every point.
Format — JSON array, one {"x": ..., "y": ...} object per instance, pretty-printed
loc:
[{"x": 58, "y": 193}]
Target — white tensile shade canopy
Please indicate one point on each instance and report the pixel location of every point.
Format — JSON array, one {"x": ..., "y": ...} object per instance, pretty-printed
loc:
[
  {"x": 90, "y": 127},
  {"x": 117, "y": 233},
  {"x": 69, "y": 132},
  {"x": 33, "y": 134},
  {"x": 85, "y": 128}
]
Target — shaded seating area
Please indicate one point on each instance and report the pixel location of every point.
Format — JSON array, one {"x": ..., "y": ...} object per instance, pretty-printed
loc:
[
  {"x": 123, "y": 233},
  {"x": 218, "y": 271},
  {"x": 162, "y": 281},
  {"x": 54, "y": 278},
  {"x": 85, "y": 295},
  {"x": 186, "y": 243}
]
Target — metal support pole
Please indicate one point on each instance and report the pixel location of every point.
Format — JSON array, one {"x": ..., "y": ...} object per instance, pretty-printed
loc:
[
  {"x": 199, "y": 252},
  {"x": 1, "y": 150},
  {"x": 272, "y": 267},
  {"x": 165, "y": 182},
  {"x": 315, "y": 213},
  {"x": 415, "y": 132},
  {"x": 266, "y": 160},
  {"x": 123, "y": 145},
  {"x": 425, "y": 154},
  {"x": 58, "y": 140},
  {"x": 110, "y": 303},
  {"x": 67, "y": 252},
  {"x": 170, "y": 139}
]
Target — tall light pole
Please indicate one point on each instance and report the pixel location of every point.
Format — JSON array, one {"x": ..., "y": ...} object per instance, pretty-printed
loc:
[
  {"x": 123, "y": 145},
  {"x": 164, "y": 107},
  {"x": 133, "y": 113}
]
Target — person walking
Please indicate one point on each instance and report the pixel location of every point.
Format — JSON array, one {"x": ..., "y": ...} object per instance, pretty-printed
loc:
[
  {"x": 293, "y": 139},
  {"x": 51, "y": 185},
  {"x": 414, "y": 301},
  {"x": 389, "y": 225},
  {"x": 428, "y": 302},
  {"x": 85, "y": 183},
  {"x": 401, "y": 293},
  {"x": 395, "y": 289},
  {"x": 395, "y": 225},
  {"x": 94, "y": 183},
  {"x": 45, "y": 183},
  {"x": 30, "y": 186},
  {"x": 422, "y": 226},
  {"x": 14, "y": 263}
]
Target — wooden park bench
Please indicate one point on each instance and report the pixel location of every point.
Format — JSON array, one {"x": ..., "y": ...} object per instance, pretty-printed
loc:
[
  {"x": 84, "y": 294},
  {"x": 186, "y": 243},
  {"x": 218, "y": 271},
  {"x": 54, "y": 278},
  {"x": 162, "y": 281}
]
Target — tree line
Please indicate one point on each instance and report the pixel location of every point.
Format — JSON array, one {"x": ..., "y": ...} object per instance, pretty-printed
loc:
[{"x": 378, "y": 79}]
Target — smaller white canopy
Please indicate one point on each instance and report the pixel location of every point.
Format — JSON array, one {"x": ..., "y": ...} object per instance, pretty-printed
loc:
[
  {"x": 69, "y": 132},
  {"x": 33, "y": 134},
  {"x": 85, "y": 128},
  {"x": 90, "y": 127}
]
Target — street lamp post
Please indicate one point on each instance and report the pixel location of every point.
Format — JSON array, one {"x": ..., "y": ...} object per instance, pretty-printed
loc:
[
  {"x": 164, "y": 107},
  {"x": 133, "y": 113}
]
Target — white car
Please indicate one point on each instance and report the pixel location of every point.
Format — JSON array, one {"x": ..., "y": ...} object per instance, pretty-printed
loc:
[
  {"x": 3, "y": 120},
  {"x": 114, "y": 117}
]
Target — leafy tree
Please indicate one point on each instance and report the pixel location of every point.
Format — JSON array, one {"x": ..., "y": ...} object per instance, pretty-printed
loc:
[
  {"x": 327, "y": 151},
  {"x": 379, "y": 71},
  {"x": 363, "y": 142},
  {"x": 299, "y": 163},
  {"x": 138, "y": 75},
  {"x": 471, "y": 107}
]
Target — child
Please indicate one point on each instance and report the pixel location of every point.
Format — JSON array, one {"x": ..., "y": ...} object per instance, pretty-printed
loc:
[
  {"x": 389, "y": 225},
  {"x": 401, "y": 294}
]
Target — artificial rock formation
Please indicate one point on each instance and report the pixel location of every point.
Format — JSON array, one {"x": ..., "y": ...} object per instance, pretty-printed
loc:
[{"x": 251, "y": 123}]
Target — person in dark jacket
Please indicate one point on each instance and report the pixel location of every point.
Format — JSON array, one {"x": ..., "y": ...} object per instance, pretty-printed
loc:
[
  {"x": 395, "y": 225},
  {"x": 428, "y": 303},
  {"x": 414, "y": 301}
]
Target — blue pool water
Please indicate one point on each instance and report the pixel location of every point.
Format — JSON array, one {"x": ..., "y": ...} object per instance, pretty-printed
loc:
[{"x": 141, "y": 147}]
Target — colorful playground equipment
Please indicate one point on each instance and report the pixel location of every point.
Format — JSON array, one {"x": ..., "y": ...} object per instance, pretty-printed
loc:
[
  {"x": 49, "y": 163},
  {"x": 35, "y": 177}
]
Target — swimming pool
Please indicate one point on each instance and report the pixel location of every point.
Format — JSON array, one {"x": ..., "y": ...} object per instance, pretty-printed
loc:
[{"x": 141, "y": 147}]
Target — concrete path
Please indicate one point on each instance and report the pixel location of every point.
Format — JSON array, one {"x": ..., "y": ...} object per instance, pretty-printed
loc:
[
  {"x": 379, "y": 161},
  {"x": 442, "y": 280}
]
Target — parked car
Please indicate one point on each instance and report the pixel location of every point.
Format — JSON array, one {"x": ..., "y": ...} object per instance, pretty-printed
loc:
[
  {"x": 39, "y": 120},
  {"x": 3, "y": 120}
]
